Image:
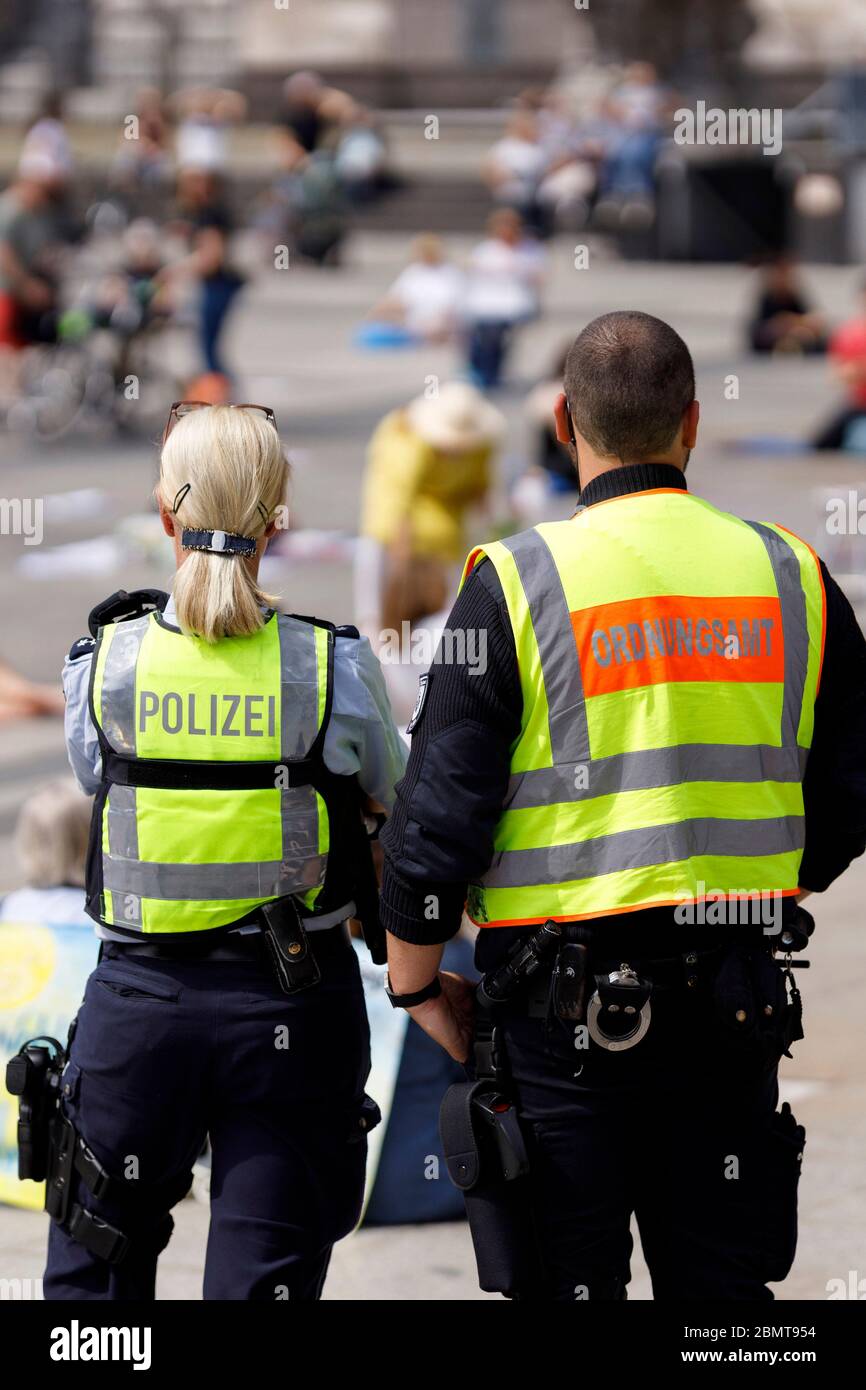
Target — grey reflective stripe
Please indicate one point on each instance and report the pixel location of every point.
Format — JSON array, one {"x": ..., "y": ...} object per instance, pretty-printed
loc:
[
  {"x": 795, "y": 629},
  {"x": 208, "y": 882},
  {"x": 117, "y": 700},
  {"x": 299, "y": 821},
  {"x": 641, "y": 849},
  {"x": 647, "y": 768},
  {"x": 121, "y": 812},
  {"x": 126, "y": 909},
  {"x": 557, "y": 650},
  {"x": 299, "y": 686}
]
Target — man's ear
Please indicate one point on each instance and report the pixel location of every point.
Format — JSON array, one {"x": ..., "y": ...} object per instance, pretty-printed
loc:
[
  {"x": 563, "y": 425},
  {"x": 690, "y": 425}
]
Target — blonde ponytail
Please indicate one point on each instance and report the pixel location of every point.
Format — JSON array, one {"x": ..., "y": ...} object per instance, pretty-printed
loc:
[{"x": 237, "y": 474}]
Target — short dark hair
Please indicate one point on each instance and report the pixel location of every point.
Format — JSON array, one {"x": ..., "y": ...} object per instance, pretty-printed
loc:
[{"x": 628, "y": 379}]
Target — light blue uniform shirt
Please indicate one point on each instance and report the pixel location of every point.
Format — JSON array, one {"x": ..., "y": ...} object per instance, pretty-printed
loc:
[{"x": 361, "y": 736}]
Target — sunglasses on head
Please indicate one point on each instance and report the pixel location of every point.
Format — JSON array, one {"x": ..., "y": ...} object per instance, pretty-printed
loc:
[{"x": 181, "y": 408}]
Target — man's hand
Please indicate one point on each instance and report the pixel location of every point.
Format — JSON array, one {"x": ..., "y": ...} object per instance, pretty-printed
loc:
[{"x": 449, "y": 1019}]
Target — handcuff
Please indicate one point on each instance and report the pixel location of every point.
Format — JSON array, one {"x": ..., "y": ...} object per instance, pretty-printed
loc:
[{"x": 618, "y": 1014}]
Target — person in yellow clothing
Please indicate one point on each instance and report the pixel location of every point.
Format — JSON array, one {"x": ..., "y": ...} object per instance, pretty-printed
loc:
[
  {"x": 429, "y": 465},
  {"x": 666, "y": 751}
]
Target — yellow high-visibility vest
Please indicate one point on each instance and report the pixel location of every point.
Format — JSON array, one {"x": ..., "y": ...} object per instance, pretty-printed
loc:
[
  {"x": 207, "y": 808},
  {"x": 669, "y": 657}
]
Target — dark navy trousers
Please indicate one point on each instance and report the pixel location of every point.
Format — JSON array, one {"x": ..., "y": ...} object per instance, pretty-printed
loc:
[
  {"x": 680, "y": 1132},
  {"x": 167, "y": 1052}
]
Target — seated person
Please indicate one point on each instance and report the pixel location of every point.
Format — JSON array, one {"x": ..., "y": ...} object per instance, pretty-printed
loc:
[
  {"x": 783, "y": 321},
  {"x": 847, "y": 352},
  {"x": 425, "y": 297}
]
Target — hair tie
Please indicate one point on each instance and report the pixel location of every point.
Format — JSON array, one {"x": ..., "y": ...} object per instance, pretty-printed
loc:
[{"x": 217, "y": 542}]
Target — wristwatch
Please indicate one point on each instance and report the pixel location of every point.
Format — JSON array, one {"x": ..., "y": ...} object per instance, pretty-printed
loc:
[{"x": 408, "y": 1001}]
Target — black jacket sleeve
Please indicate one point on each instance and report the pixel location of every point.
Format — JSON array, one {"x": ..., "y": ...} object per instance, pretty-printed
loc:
[
  {"x": 440, "y": 834},
  {"x": 834, "y": 788}
]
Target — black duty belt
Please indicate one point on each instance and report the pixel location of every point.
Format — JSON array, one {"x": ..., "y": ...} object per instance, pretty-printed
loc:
[
  {"x": 689, "y": 970},
  {"x": 247, "y": 947}
]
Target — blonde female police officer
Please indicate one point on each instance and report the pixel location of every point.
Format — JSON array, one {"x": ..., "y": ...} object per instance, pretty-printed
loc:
[{"x": 224, "y": 743}]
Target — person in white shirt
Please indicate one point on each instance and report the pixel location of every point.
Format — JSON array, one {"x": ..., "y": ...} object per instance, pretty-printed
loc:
[
  {"x": 425, "y": 297},
  {"x": 506, "y": 271},
  {"x": 516, "y": 165}
]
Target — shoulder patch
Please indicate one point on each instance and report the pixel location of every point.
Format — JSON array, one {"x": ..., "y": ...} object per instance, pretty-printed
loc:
[
  {"x": 83, "y": 647},
  {"x": 423, "y": 687}
]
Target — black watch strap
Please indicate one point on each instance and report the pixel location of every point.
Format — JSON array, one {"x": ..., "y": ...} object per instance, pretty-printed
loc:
[{"x": 408, "y": 1001}]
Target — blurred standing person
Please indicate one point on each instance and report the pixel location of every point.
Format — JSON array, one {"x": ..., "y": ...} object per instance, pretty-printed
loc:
[
  {"x": 428, "y": 465},
  {"x": 205, "y": 221},
  {"x": 425, "y": 297},
  {"x": 847, "y": 352},
  {"x": 505, "y": 275}
]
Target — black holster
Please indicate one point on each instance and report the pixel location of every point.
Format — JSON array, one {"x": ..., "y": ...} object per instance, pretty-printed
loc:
[
  {"x": 486, "y": 1157},
  {"x": 51, "y": 1149}
]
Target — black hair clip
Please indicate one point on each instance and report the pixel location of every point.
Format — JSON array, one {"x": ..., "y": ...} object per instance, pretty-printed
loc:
[
  {"x": 181, "y": 494},
  {"x": 263, "y": 512}
]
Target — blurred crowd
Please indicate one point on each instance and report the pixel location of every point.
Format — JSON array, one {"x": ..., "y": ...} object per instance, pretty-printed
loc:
[
  {"x": 584, "y": 155},
  {"x": 158, "y": 239},
  {"x": 161, "y": 241}
]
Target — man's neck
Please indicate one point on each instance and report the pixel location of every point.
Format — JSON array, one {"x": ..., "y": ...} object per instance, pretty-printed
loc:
[{"x": 632, "y": 477}]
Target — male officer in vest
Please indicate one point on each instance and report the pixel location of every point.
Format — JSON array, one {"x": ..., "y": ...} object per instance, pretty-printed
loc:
[{"x": 666, "y": 751}]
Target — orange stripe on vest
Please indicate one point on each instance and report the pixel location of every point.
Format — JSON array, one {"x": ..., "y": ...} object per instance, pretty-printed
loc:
[{"x": 647, "y": 641}]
